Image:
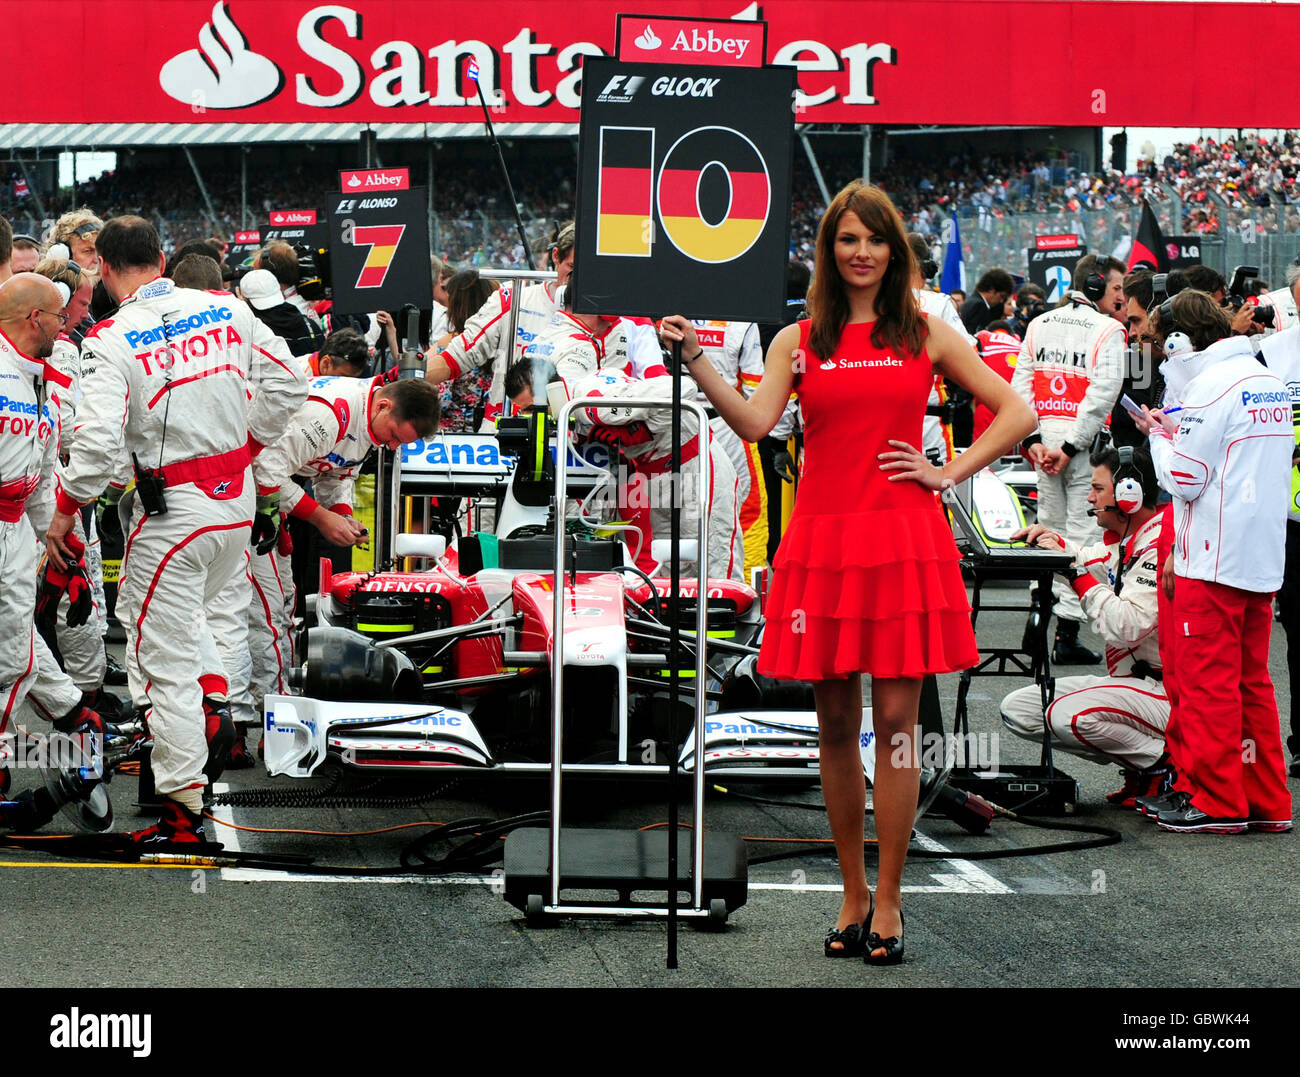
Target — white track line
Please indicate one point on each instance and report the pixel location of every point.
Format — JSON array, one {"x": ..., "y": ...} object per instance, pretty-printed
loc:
[{"x": 966, "y": 878}]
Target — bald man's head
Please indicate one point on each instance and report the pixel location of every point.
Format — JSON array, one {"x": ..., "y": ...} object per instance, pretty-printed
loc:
[{"x": 30, "y": 311}]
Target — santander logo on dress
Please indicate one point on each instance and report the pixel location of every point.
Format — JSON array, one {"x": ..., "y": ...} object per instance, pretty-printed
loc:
[{"x": 222, "y": 72}]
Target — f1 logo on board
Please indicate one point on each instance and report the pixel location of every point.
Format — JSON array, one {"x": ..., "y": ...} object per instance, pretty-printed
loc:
[
  {"x": 374, "y": 179},
  {"x": 620, "y": 89}
]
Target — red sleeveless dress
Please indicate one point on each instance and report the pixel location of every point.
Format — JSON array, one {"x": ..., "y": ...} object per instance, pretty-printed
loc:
[{"x": 866, "y": 579}]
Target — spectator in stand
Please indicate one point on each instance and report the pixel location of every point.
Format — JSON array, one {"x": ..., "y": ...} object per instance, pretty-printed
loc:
[
  {"x": 986, "y": 305},
  {"x": 27, "y": 252},
  {"x": 958, "y": 298}
]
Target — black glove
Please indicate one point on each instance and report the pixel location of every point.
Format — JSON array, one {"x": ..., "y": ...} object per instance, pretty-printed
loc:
[
  {"x": 266, "y": 523},
  {"x": 56, "y": 582},
  {"x": 783, "y": 463},
  {"x": 108, "y": 523}
]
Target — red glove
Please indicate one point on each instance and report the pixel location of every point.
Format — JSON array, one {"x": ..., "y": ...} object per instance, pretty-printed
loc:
[{"x": 73, "y": 581}]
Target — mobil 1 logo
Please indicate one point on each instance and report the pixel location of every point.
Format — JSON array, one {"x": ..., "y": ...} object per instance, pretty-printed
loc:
[{"x": 379, "y": 250}]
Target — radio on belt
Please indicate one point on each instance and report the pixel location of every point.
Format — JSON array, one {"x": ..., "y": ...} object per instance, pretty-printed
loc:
[{"x": 149, "y": 486}]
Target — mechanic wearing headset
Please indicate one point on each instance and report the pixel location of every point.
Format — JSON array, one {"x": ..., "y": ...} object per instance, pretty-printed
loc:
[
  {"x": 1226, "y": 460},
  {"x": 1070, "y": 370},
  {"x": 644, "y": 437},
  {"x": 1120, "y": 718}
]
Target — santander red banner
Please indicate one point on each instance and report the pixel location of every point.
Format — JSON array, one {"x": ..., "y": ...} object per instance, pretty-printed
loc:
[{"x": 859, "y": 61}]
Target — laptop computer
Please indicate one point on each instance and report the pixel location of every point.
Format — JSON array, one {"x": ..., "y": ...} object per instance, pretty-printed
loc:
[{"x": 972, "y": 539}]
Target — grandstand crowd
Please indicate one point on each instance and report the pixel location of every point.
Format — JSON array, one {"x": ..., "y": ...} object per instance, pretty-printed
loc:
[{"x": 1245, "y": 184}]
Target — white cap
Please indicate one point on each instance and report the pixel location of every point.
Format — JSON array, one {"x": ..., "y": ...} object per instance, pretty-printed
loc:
[{"x": 260, "y": 289}]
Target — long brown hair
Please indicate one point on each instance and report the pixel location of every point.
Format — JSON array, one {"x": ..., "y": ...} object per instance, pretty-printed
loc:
[{"x": 899, "y": 323}]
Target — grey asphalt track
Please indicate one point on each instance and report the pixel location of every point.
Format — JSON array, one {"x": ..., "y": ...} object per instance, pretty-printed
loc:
[{"x": 1157, "y": 909}]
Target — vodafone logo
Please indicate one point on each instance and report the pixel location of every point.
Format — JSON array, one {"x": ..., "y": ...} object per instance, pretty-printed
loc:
[
  {"x": 222, "y": 72},
  {"x": 375, "y": 179}
]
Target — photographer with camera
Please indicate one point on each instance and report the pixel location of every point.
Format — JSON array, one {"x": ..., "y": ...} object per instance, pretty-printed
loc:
[
  {"x": 260, "y": 290},
  {"x": 284, "y": 263},
  {"x": 1031, "y": 301}
]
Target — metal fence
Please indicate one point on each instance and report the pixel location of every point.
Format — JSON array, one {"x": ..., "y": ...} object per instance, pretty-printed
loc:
[{"x": 1267, "y": 237}]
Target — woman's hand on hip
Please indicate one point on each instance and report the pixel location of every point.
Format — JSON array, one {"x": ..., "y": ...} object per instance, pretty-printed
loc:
[{"x": 908, "y": 462}]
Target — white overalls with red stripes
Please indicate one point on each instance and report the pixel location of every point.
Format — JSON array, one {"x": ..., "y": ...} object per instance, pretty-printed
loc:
[{"x": 194, "y": 385}]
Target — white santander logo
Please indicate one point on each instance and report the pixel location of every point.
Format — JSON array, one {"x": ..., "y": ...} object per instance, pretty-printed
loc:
[
  {"x": 646, "y": 39},
  {"x": 221, "y": 72}
]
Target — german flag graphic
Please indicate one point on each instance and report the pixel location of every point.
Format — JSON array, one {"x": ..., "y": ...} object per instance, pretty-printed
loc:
[
  {"x": 626, "y": 193},
  {"x": 714, "y": 194}
]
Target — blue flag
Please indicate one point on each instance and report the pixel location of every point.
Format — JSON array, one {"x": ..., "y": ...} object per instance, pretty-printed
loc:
[{"x": 954, "y": 269}]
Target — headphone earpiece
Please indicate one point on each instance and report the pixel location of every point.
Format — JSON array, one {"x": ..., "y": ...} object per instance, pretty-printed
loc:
[
  {"x": 1176, "y": 341},
  {"x": 1177, "y": 344},
  {"x": 59, "y": 250},
  {"x": 64, "y": 291},
  {"x": 1094, "y": 285},
  {"x": 1129, "y": 495}
]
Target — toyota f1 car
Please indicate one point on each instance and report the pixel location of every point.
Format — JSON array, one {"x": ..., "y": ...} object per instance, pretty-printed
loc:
[{"x": 449, "y": 668}]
